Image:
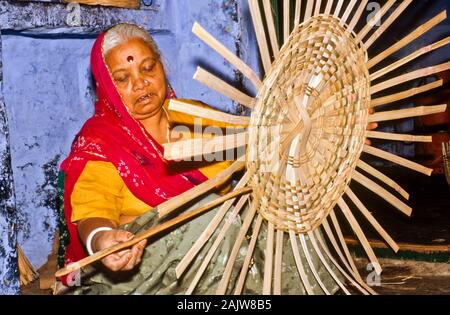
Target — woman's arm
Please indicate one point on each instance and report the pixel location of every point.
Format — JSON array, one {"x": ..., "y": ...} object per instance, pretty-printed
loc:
[{"x": 120, "y": 261}]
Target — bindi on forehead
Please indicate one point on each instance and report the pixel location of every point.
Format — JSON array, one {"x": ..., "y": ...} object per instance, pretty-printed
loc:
[{"x": 130, "y": 59}]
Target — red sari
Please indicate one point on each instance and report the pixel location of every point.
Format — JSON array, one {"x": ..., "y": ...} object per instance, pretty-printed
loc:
[{"x": 113, "y": 135}]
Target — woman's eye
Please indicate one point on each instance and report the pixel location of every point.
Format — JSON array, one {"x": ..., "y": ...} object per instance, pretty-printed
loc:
[
  {"x": 149, "y": 68},
  {"x": 121, "y": 79}
]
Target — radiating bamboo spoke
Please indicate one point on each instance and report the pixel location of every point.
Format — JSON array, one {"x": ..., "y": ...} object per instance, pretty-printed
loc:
[
  {"x": 222, "y": 87},
  {"x": 310, "y": 262},
  {"x": 407, "y": 113},
  {"x": 383, "y": 193},
  {"x": 360, "y": 235},
  {"x": 271, "y": 27},
  {"x": 260, "y": 34},
  {"x": 408, "y": 39},
  {"x": 409, "y": 58},
  {"x": 377, "y": 18},
  {"x": 405, "y": 94},
  {"x": 328, "y": 7},
  {"x": 309, "y": 9},
  {"x": 398, "y": 160},
  {"x": 409, "y": 77},
  {"x": 351, "y": 278},
  {"x": 377, "y": 226},
  {"x": 391, "y": 19},
  {"x": 325, "y": 263},
  {"x": 318, "y": 7},
  {"x": 298, "y": 9},
  {"x": 212, "y": 42},
  {"x": 172, "y": 204},
  {"x": 398, "y": 137},
  {"x": 278, "y": 263},
  {"x": 206, "y": 113},
  {"x": 377, "y": 174},
  {"x": 268, "y": 261},
  {"x": 348, "y": 10},
  {"x": 248, "y": 256},
  {"x": 222, "y": 288},
  {"x": 357, "y": 15},
  {"x": 286, "y": 20},
  {"x": 209, "y": 231},
  {"x": 337, "y": 10},
  {"x": 200, "y": 148},
  {"x": 299, "y": 263}
]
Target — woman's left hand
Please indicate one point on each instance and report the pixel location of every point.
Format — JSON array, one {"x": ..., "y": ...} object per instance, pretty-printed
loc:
[{"x": 371, "y": 126}]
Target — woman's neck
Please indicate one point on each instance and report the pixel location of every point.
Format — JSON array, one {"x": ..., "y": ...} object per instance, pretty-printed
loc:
[{"x": 157, "y": 126}]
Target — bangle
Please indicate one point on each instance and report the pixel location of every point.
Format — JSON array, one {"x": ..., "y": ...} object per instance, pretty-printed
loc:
[{"x": 91, "y": 236}]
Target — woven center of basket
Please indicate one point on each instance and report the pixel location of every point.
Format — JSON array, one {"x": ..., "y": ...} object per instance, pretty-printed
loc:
[{"x": 308, "y": 128}]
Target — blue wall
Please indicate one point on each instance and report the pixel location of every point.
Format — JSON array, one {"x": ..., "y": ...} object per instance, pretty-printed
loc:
[{"x": 48, "y": 94}]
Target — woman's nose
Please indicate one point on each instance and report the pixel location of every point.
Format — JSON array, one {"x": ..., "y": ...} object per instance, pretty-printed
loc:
[{"x": 140, "y": 83}]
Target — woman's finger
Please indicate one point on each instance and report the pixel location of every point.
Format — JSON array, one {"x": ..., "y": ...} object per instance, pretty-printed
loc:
[
  {"x": 115, "y": 262},
  {"x": 134, "y": 257},
  {"x": 123, "y": 236}
]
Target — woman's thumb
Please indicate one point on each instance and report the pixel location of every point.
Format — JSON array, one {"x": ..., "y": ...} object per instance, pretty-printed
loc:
[{"x": 123, "y": 236}]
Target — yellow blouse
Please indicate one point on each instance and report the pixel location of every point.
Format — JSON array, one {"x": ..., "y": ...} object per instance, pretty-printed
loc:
[{"x": 100, "y": 192}]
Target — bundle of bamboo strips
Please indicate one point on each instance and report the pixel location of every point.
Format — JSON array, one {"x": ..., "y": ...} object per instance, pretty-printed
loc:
[{"x": 26, "y": 269}]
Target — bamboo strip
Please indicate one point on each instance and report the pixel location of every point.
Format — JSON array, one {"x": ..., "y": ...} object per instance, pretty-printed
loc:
[
  {"x": 383, "y": 193},
  {"x": 371, "y": 23},
  {"x": 309, "y": 9},
  {"x": 357, "y": 15},
  {"x": 149, "y": 233},
  {"x": 409, "y": 58},
  {"x": 271, "y": 27},
  {"x": 351, "y": 279},
  {"x": 278, "y": 263},
  {"x": 298, "y": 262},
  {"x": 341, "y": 239},
  {"x": 298, "y": 10},
  {"x": 360, "y": 234},
  {"x": 391, "y": 19},
  {"x": 352, "y": 267},
  {"x": 260, "y": 34},
  {"x": 398, "y": 137},
  {"x": 405, "y": 94},
  {"x": 248, "y": 256},
  {"x": 311, "y": 264},
  {"x": 398, "y": 160},
  {"x": 222, "y": 87},
  {"x": 286, "y": 20},
  {"x": 209, "y": 231},
  {"x": 377, "y": 226},
  {"x": 172, "y": 204},
  {"x": 338, "y": 9},
  {"x": 325, "y": 263},
  {"x": 328, "y": 7},
  {"x": 268, "y": 261},
  {"x": 128, "y": 4},
  {"x": 409, "y": 76},
  {"x": 318, "y": 7},
  {"x": 223, "y": 284},
  {"x": 206, "y": 113},
  {"x": 408, "y": 39},
  {"x": 199, "y": 147},
  {"x": 407, "y": 113},
  {"x": 201, "y": 270},
  {"x": 227, "y": 54},
  {"x": 377, "y": 174},
  {"x": 349, "y": 10}
]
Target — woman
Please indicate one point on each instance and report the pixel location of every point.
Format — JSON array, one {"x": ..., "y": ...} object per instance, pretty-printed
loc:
[{"x": 115, "y": 174}]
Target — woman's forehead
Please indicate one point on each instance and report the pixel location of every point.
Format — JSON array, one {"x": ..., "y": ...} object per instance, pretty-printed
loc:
[{"x": 136, "y": 48}]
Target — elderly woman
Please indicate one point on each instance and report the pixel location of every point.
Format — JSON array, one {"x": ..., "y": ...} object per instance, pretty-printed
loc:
[{"x": 116, "y": 173}]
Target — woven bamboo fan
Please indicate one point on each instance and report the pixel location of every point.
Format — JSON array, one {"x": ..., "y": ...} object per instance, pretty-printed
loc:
[{"x": 304, "y": 139}]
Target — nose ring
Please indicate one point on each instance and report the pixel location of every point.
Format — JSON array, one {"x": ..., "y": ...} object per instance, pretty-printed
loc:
[{"x": 146, "y": 82}]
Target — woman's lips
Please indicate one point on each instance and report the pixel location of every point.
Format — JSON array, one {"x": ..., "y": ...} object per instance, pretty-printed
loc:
[{"x": 145, "y": 98}]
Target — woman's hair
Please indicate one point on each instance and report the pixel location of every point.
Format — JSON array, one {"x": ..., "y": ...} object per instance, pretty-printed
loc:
[{"x": 123, "y": 32}]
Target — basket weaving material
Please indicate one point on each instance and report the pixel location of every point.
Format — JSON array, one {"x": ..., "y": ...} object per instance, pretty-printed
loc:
[{"x": 308, "y": 128}]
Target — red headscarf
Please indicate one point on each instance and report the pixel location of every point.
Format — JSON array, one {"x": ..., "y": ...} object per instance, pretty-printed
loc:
[{"x": 113, "y": 135}]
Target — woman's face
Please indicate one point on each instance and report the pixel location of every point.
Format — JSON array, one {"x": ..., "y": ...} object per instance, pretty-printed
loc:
[{"x": 139, "y": 77}]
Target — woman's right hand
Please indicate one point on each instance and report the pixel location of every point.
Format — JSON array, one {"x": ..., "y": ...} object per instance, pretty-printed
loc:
[{"x": 121, "y": 261}]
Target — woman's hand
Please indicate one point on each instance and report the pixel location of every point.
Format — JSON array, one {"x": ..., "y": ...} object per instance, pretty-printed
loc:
[
  {"x": 121, "y": 261},
  {"x": 371, "y": 126}
]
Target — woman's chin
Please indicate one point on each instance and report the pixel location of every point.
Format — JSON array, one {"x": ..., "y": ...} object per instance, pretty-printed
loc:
[{"x": 145, "y": 111}]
